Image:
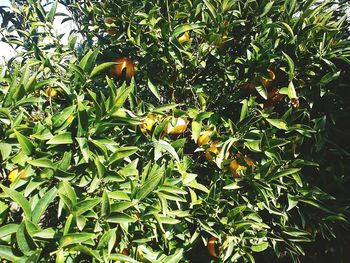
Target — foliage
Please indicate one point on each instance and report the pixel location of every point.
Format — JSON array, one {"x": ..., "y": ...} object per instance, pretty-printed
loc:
[{"x": 99, "y": 176}]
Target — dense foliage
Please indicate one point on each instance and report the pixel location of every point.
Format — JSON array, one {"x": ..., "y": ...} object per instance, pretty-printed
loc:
[{"x": 175, "y": 131}]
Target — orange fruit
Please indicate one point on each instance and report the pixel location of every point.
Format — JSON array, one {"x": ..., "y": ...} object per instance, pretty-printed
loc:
[
  {"x": 51, "y": 92},
  {"x": 211, "y": 246},
  {"x": 204, "y": 138},
  {"x": 185, "y": 37},
  {"x": 273, "y": 97},
  {"x": 70, "y": 119},
  {"x": 110, "y": 20},
  {"x": 126, "y": 252},
  {"x": 268, "y": 82},
  {"x": 12, "y": 176},
  {"x": 112, "y": 31},
  {"x": 249, "y": 86},
  {"x": 124, "y": 69},
  {"x": 149, "y": 122},
  {"x": 211, "y": 151},
  {"x": 237, "y": 168},
  {"x": 176, "y": 126}
]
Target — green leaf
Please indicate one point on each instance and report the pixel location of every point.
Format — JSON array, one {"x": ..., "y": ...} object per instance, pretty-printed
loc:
[
  {"x": 6, "y": 252},
  {"x": 84, "y": 148},
  {"x": 85, "y": 205},
  {"x": 278, "y": 123},
  {"x": 153, "y": 89},
  {"x": 42, "y": 204},
  {"x": 51, "y": 15},
  {"x": 108, "y": 239},
  {"x": 262, "y": 91},
  {"x": 101, "y": 67},
  {"x": 19, "y": 199},
  {"x": 24, "y": 240},
  {"x": 42, "y": 162},
  {"x": 290, "y": 65},
  {"x": 5, "y": 150},
  {"x": 106, "y": 207},
  {"x": 163, "y": 145},
  {"x": 63, "y": 138},
  {"x": 283, "y": 173},
  {"x": 329, "y": 77},
  {"x": 186, "y": 27},
  {"x": 196, "y": 130},
  {"x": 260, "y": 247},
  {"x": 89, "y": 60},
  {"x": 75, "y": 238},
  {"x": 8, "y": 229},
  {"x": 122, "y": 258},
  {"x": 60, "y": 118},
  {"x": 122, "y": 153},
  {"x": 119, "y": 218},
  {"x": 26, "y": 144},
  {"x": 150, "y": 184},
  {"x": 244, "y": 110},
  {"x": 211, "y": 8},
  {"x": 267, "y": 8},
  {"x": 291, "y": 91}
]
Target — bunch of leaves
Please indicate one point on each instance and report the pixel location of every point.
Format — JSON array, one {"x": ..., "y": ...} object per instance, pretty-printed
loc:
[{"x": 92, "y": 186}]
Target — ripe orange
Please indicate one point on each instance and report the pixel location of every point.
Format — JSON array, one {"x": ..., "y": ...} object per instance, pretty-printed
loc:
[
  {"x": 70, "y": 119},
  {"x": 112, "y": 31},
  {"x": 51, "y": 92},
  {"x": 211, "y": 151},
  {"x": 110, "y": 20},
  {"x": 237, "y": 168},
  {"x": 268, "y": 82},
  {"x": 126, "y": 252},
  {"x": 211, "y": 246},
  {"x": 221, "y": 43},
  {"x": 249, "y": 86},
  {"x": 124, "y": 69},
  {"x": 148, "y": 123},
  {"x": 204, "y": 138},
  {"x": 185, "y": 37},
  {"x": 273, "y": 97},
  {"x": 176, "y": 126},
  {"x": 12, "y": 176}
]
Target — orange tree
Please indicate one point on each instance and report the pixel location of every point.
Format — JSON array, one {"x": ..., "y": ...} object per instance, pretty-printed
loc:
[{"x": 175, "y": 131}]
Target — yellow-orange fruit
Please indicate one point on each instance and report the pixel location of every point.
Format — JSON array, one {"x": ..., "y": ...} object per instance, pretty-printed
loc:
[
  {"x": 51, "y": 92},
  {"x": 185, "y": 37},
  {"x": 268, "y": 82},
  {"x": 112, "y": 31},
  {"x": 204, "y": 138},
  {"x": 12, "y": 176},
  {"x": 148, "y": 123},
  {"x": 176, "y": 126},
  {"x": 70, "y": 119},
  {"x": 124, "y": 69},
  {"x": 211, "y": 246},
  {"x": 110, "y": 20},
  {"x": 273, "y": 97},
  {"x": 126, "y": 252},
  {"x": 249, "y": 86},
  {"x": 237, "y": 168},
  {"x": 211, "y": 151}
]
